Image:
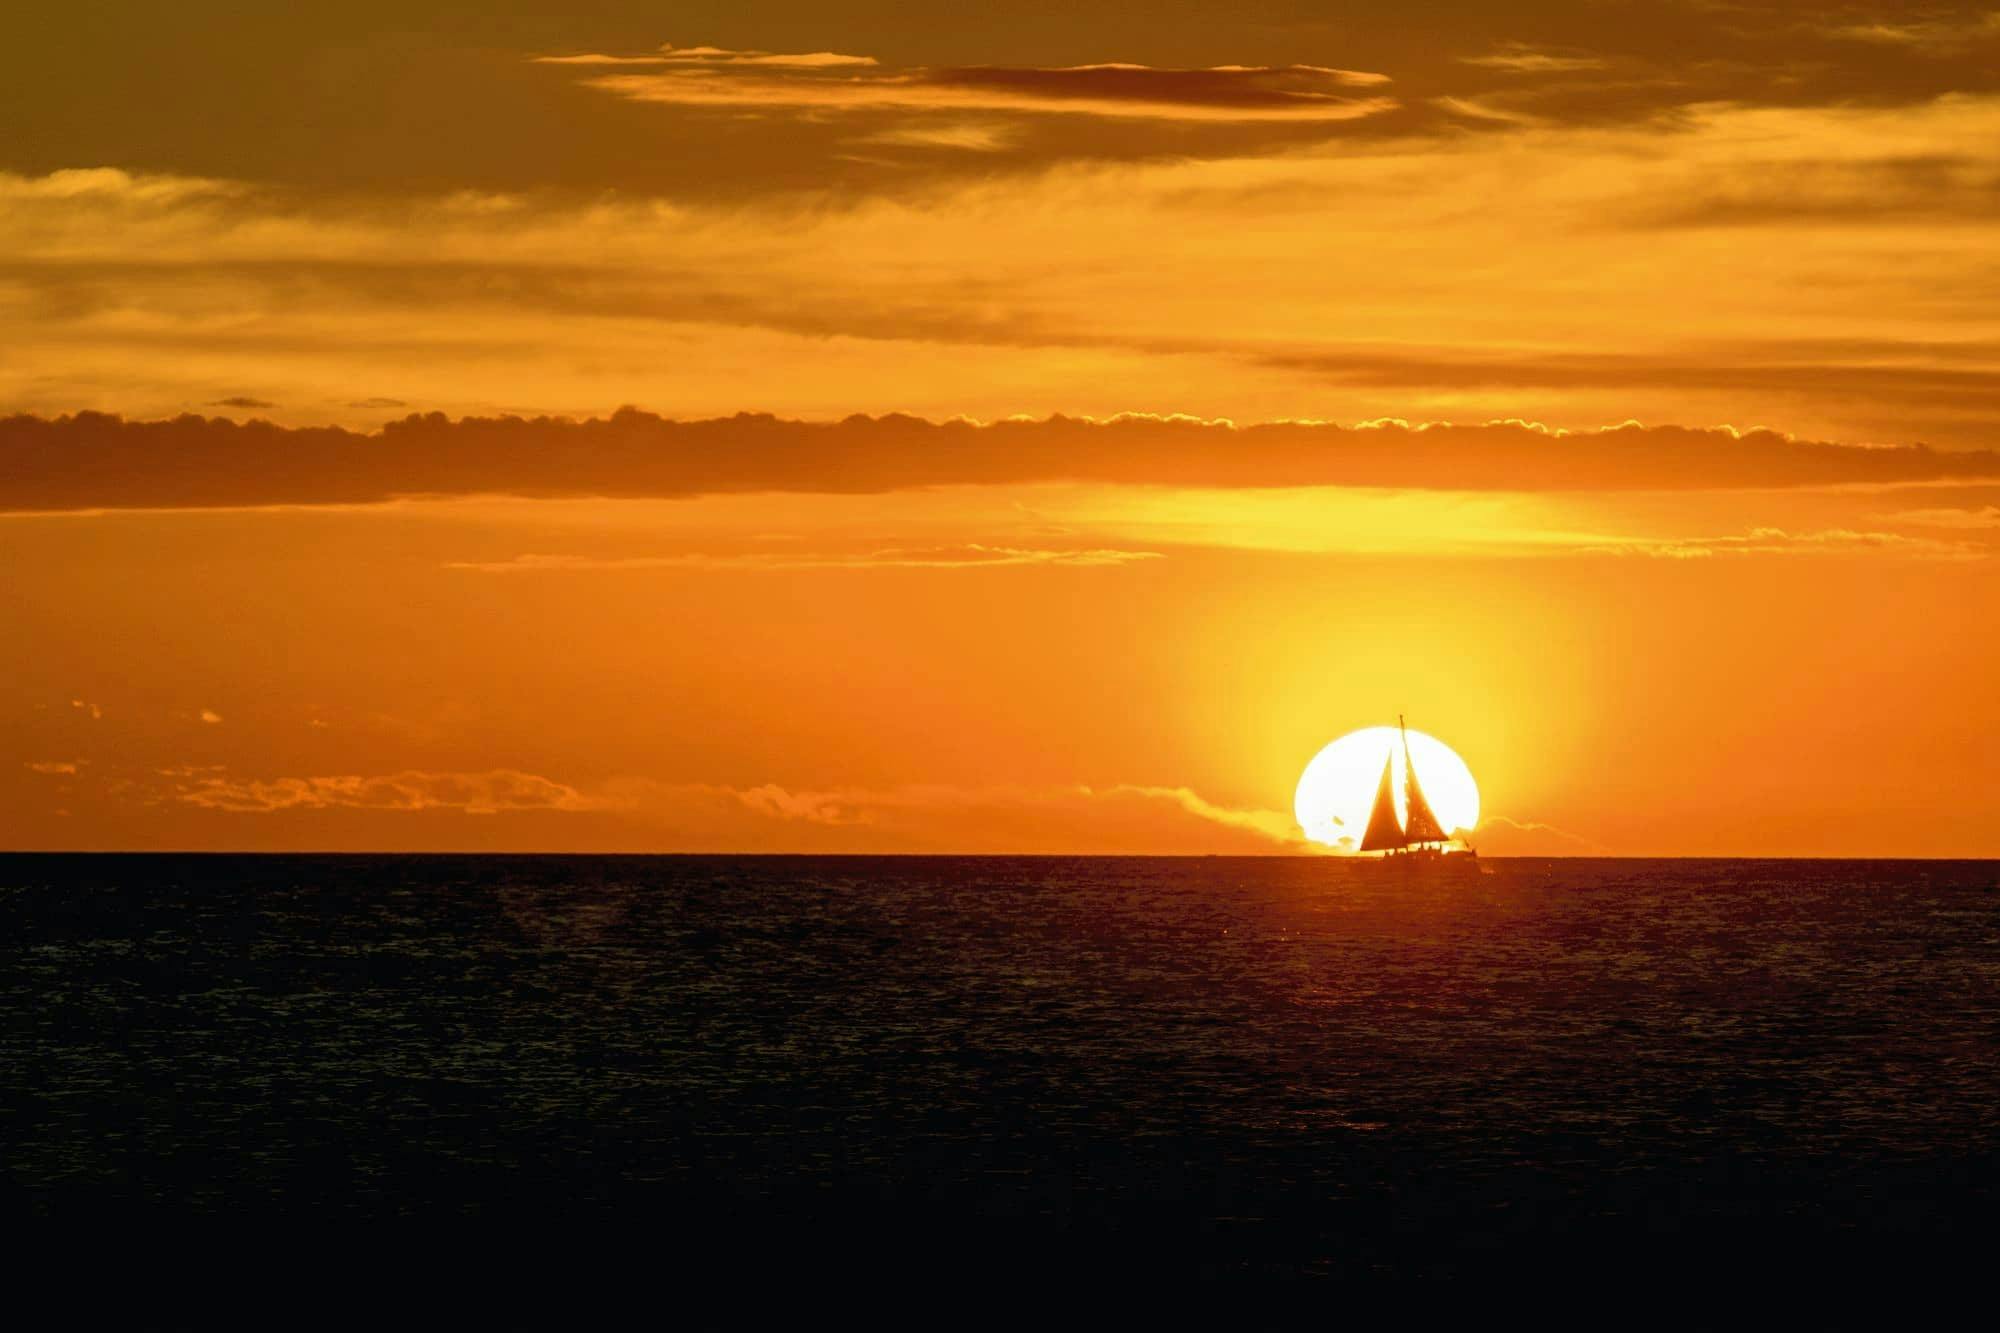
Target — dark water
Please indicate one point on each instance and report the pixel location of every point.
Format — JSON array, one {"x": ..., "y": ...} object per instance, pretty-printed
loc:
[{"x": 1208, "y": 1066}]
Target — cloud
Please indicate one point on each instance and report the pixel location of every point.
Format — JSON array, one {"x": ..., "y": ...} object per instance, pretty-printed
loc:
[
  {"x": 714, "y": 56},
  {"x": 812, "y": 807},
  {"x": 1132, "y": 818},
  {"x": 971, "y": 555},
  {"x": 1984, "y": 518},
  {"x": 1485, "y": 111},
  {"x": 96, "y": 713},
  {"x": 241, "y": 401},
  {"x": 771, "y": 816},
  {"x": 1281, "y": 829},
  {"x": 115, "y": 89},
  {"x": 962, "y": 136},
  {"x": 1372, "y": 288},
  {"x": 96, "y": 461},
  {"x": 1518, "y": 58},
  {"x": 112, "y": 185},
  {"x": 1961, "y": 376},
  {"x": 209, "y": 716},
  {"x": 54, "y": 768},
  {"x": 823, "y": 82},
  {"x": 1878, "y": 189},
  {"x": 470, "y": 793},
  {"x": 1932, "y": 33},
  {"x": 1777, "y": 541},
  {"x": 1667, "y": 71},
  {"x": 1498, "y": 835}
]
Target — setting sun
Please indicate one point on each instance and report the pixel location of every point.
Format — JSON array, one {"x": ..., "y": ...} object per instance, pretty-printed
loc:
[{"x": 1339, "y": 785}]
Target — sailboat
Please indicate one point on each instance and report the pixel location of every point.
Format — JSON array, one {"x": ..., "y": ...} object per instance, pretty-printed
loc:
[{"x": 1416, "y": 839}]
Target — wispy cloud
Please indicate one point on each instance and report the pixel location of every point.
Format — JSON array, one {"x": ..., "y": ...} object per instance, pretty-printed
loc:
[
  {"x": 821, "y": 82},
  {"x": 1280, "y": 828},
  {"x": 812, "y": 807},
  {"x": 113, "y": 185},
  {"x": 1777, "y": 541},
  {"x": 1498, "y": 835},
  {"x": 963, "y": 136},
  {"x": 714, "y": 56},
  {"x": 1119, "y": 813},
  {"x": 1930, "y": 32},
  {"x": 1030, "y": 294},
  {"x": 471, "y": 793},
  {"x": 1518, "y": 58},
  {"x": 968, "y": 556},
  {"x": 695, "y": 815},
  {"x": 1984, "y": 518}
]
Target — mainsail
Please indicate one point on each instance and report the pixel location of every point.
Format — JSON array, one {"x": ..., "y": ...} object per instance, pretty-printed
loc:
[
  {"x": 1385, "y": 832},
  {"x": 1422, "y": 825}
]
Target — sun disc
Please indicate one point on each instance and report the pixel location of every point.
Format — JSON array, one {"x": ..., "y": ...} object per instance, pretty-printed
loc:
[{"x": 1337, "y": 790}]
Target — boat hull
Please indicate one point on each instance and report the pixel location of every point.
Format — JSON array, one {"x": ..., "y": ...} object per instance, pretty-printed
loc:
[{"x": 1429, "y": 861}]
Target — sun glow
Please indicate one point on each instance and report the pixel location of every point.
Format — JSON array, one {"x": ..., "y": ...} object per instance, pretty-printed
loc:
[{"x": 1338, "y": 786}]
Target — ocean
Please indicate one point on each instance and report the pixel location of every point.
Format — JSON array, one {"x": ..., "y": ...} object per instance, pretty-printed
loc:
[{"x": 1198, "y": 1067}]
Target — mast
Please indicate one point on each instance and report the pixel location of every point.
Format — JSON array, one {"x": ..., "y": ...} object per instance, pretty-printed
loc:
[
  {"x": 1421, "y": 826},
  {"x": 1384, "y": 833}
]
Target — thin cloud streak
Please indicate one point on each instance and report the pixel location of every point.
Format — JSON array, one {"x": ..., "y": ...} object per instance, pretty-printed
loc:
[
  {"x": 1516, "y": 58},
  {"x": 823, "y": 82},
  {"x": 1971, "y": 520},
  {"x": 1777, "y": 541},
  {"x": 412, "y": 790},
  {"x": 993, "y": 95},
  {"x": 713, "y": 56},
  {"x": 712, "y": 816},
  {"x": 971, "y": 556}
]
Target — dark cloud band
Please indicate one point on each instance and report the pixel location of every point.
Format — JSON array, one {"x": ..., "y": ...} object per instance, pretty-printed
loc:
[{"x": 96, "y": 461}]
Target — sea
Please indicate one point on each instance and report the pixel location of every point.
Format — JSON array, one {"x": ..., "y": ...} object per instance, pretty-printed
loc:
[{"x": 994, "y": 1070}]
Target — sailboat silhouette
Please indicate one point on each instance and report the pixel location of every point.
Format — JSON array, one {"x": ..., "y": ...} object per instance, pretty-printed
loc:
[{"x": 1416, "y": 836}]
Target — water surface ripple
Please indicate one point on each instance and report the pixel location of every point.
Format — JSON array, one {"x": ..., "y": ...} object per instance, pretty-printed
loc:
[{"x": 1295, "y": 1061}]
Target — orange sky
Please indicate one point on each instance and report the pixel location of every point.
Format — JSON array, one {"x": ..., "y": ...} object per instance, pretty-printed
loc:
[{"x": 1100, "y": 476}]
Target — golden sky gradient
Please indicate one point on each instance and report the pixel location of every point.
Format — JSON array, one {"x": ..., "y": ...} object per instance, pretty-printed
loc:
[{"x": 1051, "y": 427}]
